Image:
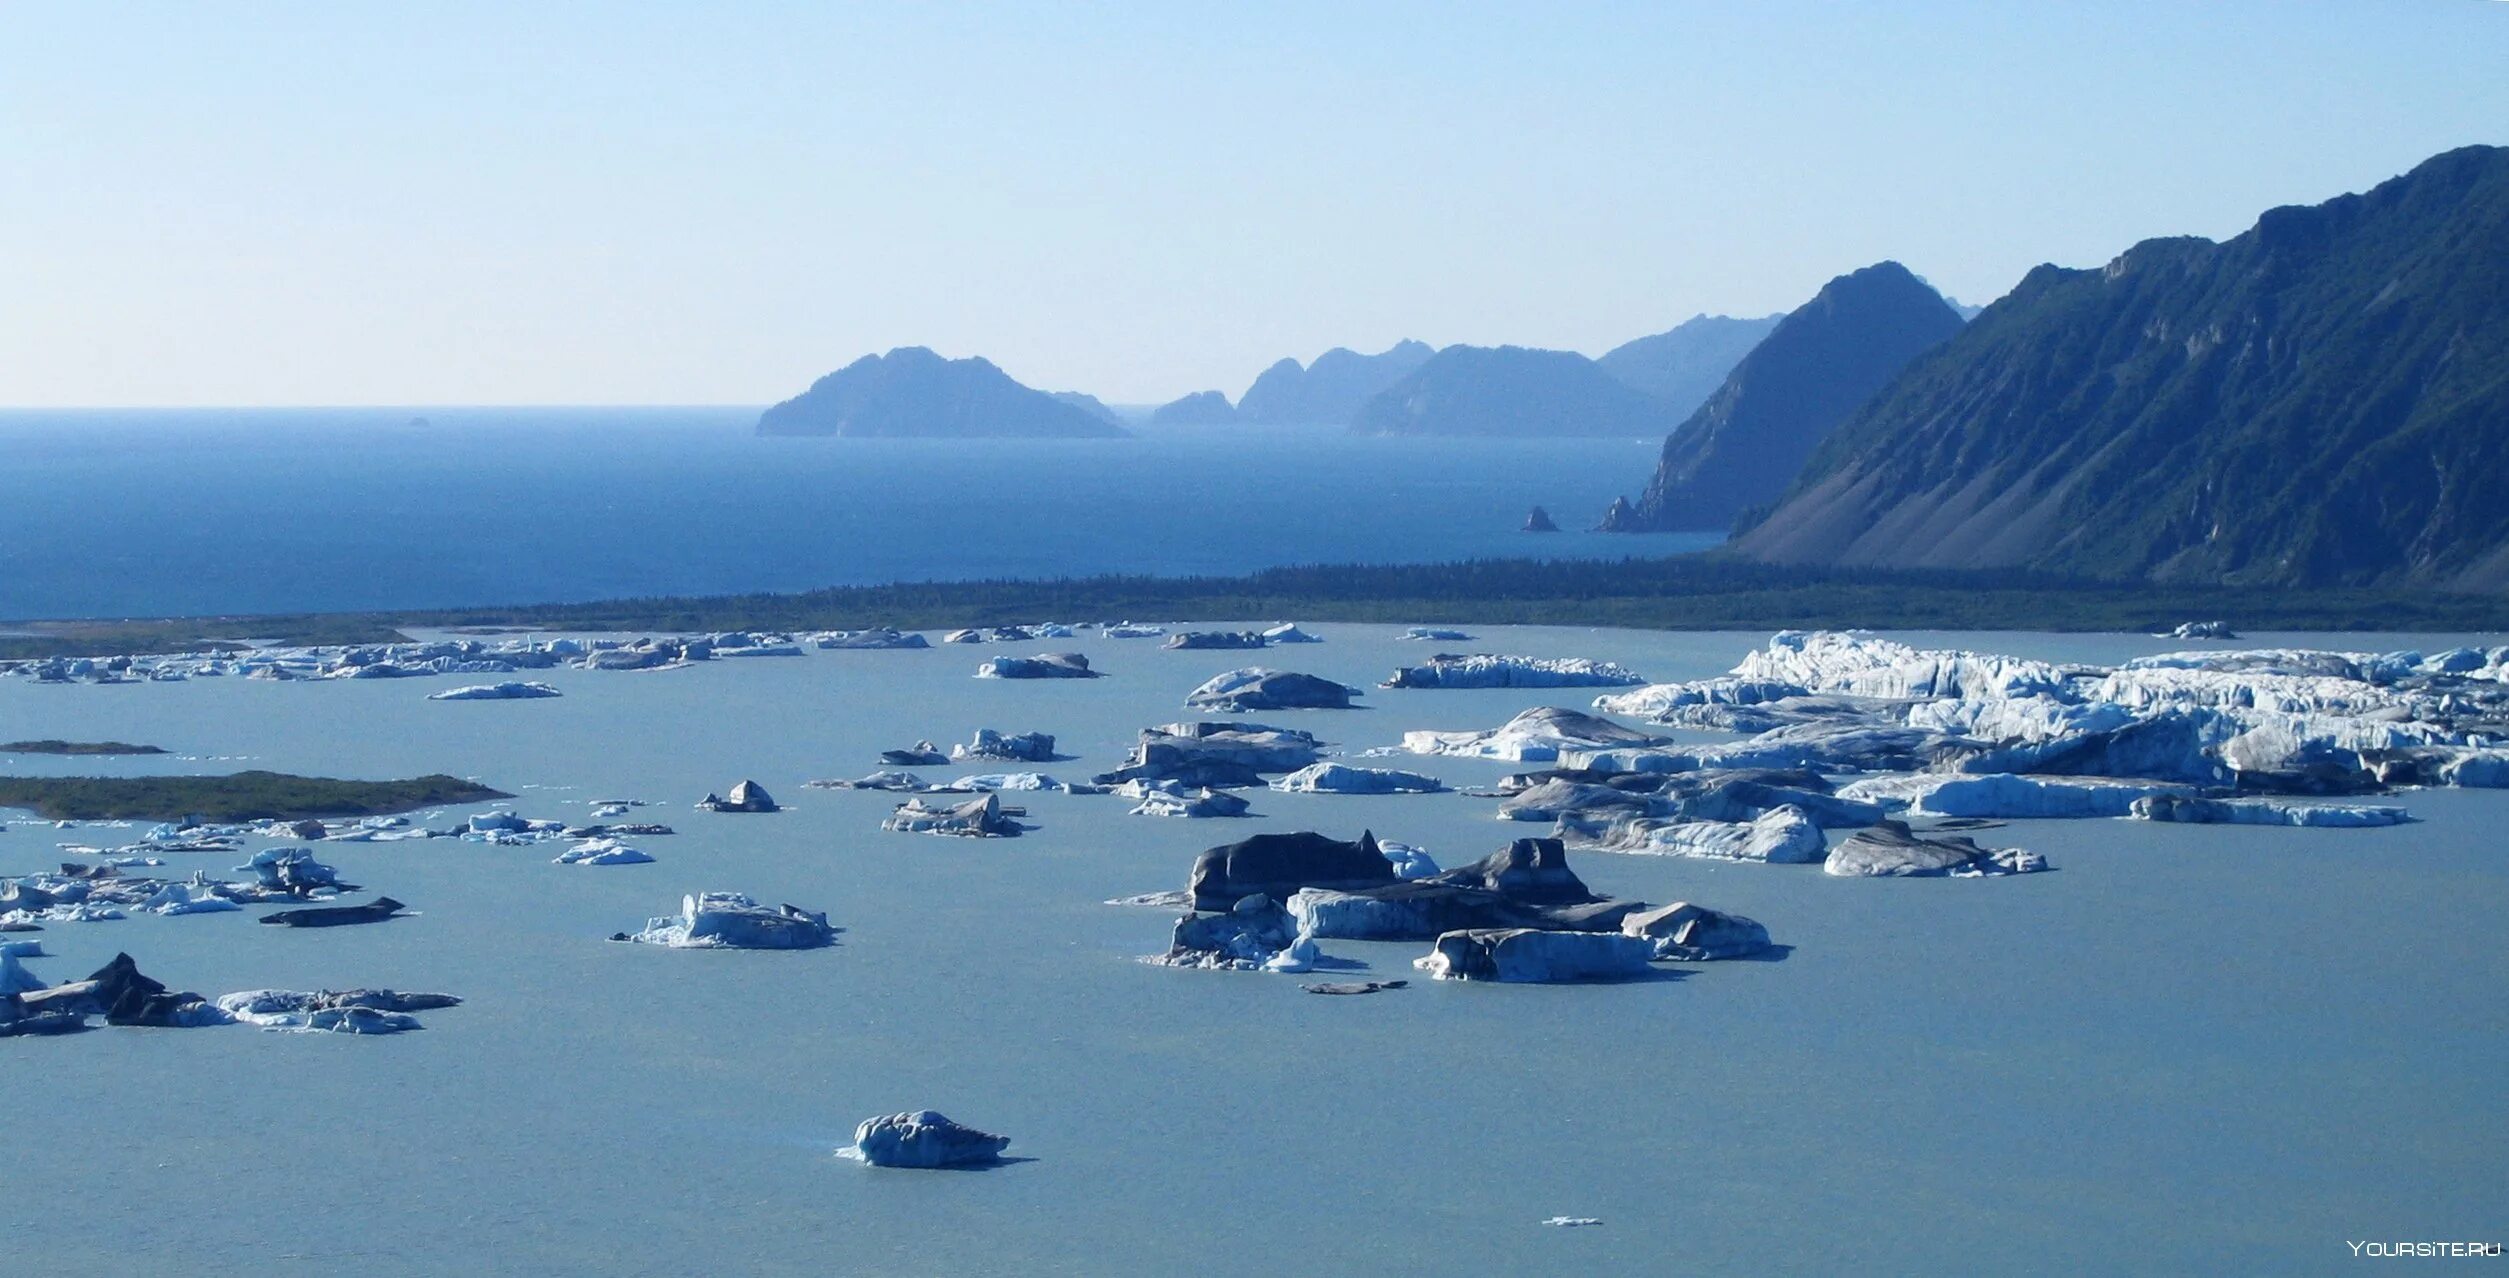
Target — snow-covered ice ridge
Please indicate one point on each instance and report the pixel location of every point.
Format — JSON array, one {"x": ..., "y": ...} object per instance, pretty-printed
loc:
[{"x": 2267, "y": 720}]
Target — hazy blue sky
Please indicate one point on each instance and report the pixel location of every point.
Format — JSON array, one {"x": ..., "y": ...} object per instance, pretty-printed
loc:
[{"x": 614, "y": 203}]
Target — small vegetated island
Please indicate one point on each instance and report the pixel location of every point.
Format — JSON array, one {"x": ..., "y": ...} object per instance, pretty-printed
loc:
[
  {"x": 241, "y": 796},
  {"x": 54, "y": 745}
]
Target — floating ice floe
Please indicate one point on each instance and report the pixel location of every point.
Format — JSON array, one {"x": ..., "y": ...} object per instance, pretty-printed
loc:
[
  {"x": 1200, "y": 639},
  {"x": 1173, "y": 799},
  {"x": 1049, "y": 665},
  {"x": 1527, "y": 955},
  {"x": 1891, "y": 850},
  {"x": 1527, "y": 884},
  {"x": 1215, "y": 754},
  {"x": 1288, "y": 632},
  {"x": 1025, "y": 747},
  {"x": 331, "y": 1011},
  {"x": 1256, "y": 688},
  {"x": 731, "y": 921},
  {"x": 2002, "y": 795},
  {"x": 983, "y": 817},
  {"x": 882, "y": 638},
  {"x": 1339, "y": 778},
  {"x": 925, "y": 1138},
  {"x": 1537, "y": 735},
  {"x": 187, "y": 898},
  {"x": 2266, "y": 812},
  {"x": 1687, "y": 933},
  {"x": 747, "y": 796},
  {"x": 508, "y": 691},
  {"x": 1784, "y": 834},
  {"x": 602, "y": 852},
  {"x": 1486, "y": 670}
]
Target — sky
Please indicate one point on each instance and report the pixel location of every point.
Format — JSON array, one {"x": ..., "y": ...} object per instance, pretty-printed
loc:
[{"x": 620, "y": 203}]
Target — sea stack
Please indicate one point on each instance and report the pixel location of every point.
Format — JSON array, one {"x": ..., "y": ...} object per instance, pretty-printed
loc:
[{"x": 1540, "y": 521}]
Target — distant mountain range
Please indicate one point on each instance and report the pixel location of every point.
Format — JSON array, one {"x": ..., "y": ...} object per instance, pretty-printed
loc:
[
  {"x": 1202, "y": 408},
  {"x": 1686, "y": 364},
  {"x": 911, "y": 392},
  {"x": 1512, "y": 391},
  {"x": 1329, "y": 391},
  {"x": 2323, "y": 399},
  {"x": 1823, "y": 361},
  {"x": 1406, "y": 389},
  {"x": 1091, "y": 405}
]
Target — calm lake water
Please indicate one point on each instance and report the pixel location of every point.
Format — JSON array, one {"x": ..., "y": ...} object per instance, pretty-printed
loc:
[
  {"x": 112, "y": 514},
  {"x": 2189, "y": 1049}
]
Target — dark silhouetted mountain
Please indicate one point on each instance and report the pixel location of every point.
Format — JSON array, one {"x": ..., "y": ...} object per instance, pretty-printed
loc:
[
  {"x": 1202, "y": 408},
  {"x": 1331, "y": 390},
  {"x": 1823, "y": 361},
  {"x": 1686, "y": 364},
  {"x": 912, "y": 393},
  {"x": 1090, "y": 404},
  {"x": 2322, "y": 399},
  {"x": 1513, "y": 391}
]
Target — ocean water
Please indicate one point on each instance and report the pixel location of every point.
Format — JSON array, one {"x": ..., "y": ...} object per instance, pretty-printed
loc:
[
  {"x": 2189, "y": 1049},
  {"x": 130, "y": 513}
]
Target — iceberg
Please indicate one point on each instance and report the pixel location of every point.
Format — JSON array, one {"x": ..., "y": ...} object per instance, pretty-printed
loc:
[
  {"x": 747, "y": 796},
  {"x": 1178, "y": 802},
  {"x": 1336, "y": 778},
  {"x": 1048, "y": 665},
  {"x": 1278, "y": 865},
  {"x": 1526, "y": 885},
  {"x": 331, "y": 1011},
  {"x": 187, "y": 898},
  {"x": 1527, "y": 955},
  {"x": 1891, "y": 850},
  {"x": 882, "y": 638},
  {"x": 1433, "y": 634},
  {"x": 1248, "y": 935},
  {"x": 978, "y": 818},
  {"x": 2002, "y": 795},
  {"x": 1196, "y": 639},
  {"x": 1409, "y": 862},
  {"x": 2261, "y": 812},
  {"x": 1782, "y": 835},
  {"x": 1025, "y": 747},
  {"x": 1537, "y": 735},
  {"x": 511, "y": 691},
  {"x": 1688, "y": 933},
  {"x": 602, "y": 852},
  {"x": 14, "y": 978},
  {"x": 1484, "y": 670},
  {"x": 1288, "y": 632},
  {"x": 1258, "y": 688},
  {"x": 901, "y": 782},
  {"x": 1214, "y": 754},
  {"x": 926, "y": 1139},
  {"x": 731, "y": 921}
]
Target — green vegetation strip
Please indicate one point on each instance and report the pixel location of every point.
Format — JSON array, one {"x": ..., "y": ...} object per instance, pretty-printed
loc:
[
  {"x": 1691, "y": 592},
  {"x": 1707, "y": 591},
  {"x": 243, "y": 796}
]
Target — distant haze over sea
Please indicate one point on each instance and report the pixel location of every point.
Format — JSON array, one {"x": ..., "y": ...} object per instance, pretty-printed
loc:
[{"x": 111, "y": 513}]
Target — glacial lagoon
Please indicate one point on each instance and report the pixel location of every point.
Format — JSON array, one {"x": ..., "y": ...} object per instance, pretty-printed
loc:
[{"x": 2189, "y": 1048}]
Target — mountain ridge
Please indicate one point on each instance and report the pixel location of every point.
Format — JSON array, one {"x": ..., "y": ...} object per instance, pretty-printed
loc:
[{"x": 2322, "y": 399}]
